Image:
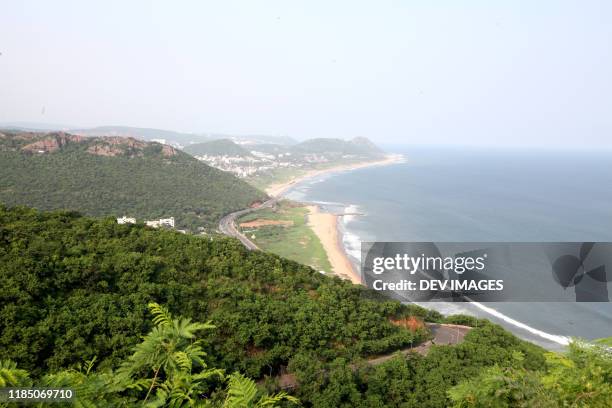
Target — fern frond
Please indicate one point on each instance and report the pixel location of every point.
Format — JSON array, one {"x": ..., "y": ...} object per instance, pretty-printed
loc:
[
  {"x": 11, "y": 376},
  {"x": 273, "y": 400},
  {"x": 206, "y": 374},
  {"x": 183, "y": 361},
  {"x": 241, "y": 392},
  {"x": 161, "y": 315}
]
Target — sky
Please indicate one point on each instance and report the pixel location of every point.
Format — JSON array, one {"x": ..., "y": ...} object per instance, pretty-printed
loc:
[{"x": 487, "y": 73}]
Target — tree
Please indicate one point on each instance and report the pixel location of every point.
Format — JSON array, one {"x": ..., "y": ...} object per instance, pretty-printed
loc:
[
  {"x": 580, "y": 378},
  {"x": 242, "y": 393},
  {"x": 170, "y": 353}
]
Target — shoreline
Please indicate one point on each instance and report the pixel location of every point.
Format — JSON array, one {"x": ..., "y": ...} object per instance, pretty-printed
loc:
[
  {"x": 326, "y": 225},
  {"x": 278, "y": 189}
]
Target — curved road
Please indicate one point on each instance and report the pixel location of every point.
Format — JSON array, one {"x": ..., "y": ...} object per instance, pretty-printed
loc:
[
  {"x": 227, "y": 224},
  {"x": 443, "y": 334}
]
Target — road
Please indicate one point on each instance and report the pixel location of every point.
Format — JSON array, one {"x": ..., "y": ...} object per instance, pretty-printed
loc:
[
  {"x": 444, "y": 334},
  {"x": 227, "y": 224}
]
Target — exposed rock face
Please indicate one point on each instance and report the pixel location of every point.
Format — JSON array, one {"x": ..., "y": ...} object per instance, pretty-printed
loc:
[
  {"x": 104, "y": 150},
  {"x": 51, "y": 143},
  {"x": 109, "y": 146},
  {"x": 117, "y": 146},
  {"x": 129, "y": 142},
  {"x": 168, "y": 151}
]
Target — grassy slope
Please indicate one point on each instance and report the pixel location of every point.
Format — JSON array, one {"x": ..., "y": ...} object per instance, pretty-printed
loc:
[{"x": 296, "y": 242}]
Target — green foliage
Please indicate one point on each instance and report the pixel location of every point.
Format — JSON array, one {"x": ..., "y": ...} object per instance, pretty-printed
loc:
[
  {"x": 11, "y": 376},
  {"x": 170, "y": 351},
  {"x": 580, "y": 378},
  {"x": 242, "y": 393},
  {"x": 220, "y": 147},
  {"x": 464, "y": 320},
  {"x": 72, "y": 288},
  {"x": 413, "y": 381},
  {"x": 142, "y": 183}
]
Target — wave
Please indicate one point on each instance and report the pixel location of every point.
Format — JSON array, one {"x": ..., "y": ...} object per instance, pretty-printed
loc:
[
  {"x": 562, "y": 340},
  {"x": 351, "y": 212},
  {"x": 352, "y": 245},
  {"x": 327, "y": 203}
]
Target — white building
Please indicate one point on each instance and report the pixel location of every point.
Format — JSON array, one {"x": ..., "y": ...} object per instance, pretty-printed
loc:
[
  {"x": 126, "y": 220},
  {"x": 162, "y": 222},
  {"x": 167, "y": 222}
]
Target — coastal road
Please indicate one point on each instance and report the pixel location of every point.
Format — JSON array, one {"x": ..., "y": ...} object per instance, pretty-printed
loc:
[
  {"x": 227, "y": 224},
  {"x": 443, "y": 334}
]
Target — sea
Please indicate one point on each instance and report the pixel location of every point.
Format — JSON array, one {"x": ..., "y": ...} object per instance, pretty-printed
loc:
[{"x": 482, "y": 195}]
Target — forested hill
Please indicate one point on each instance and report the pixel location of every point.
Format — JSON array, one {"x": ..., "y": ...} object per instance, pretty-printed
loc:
[
  {"x": 217, "y": 148},
  {"x": 73, "y": 288},
  {"x": 359, "y": 146},
  {"x": 116, "y": 176}
]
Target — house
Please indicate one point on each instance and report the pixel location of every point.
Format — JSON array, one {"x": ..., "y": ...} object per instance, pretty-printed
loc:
[
  {"x": 126, "y": 220},
  {"x": 162, "y": 222}
]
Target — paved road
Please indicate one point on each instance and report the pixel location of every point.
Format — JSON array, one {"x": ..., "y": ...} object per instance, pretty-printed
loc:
[
  {"x": 227, "y": 224},
  {"x": 444, "y": 334}
]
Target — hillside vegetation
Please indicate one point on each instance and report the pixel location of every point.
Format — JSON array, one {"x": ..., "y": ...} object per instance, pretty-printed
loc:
[
  {"x": 74, "y": 288},
  {"x": 358, "y": 147},
  {"x": 221, "y": 147},
  {"x": 116, "y": 176}
]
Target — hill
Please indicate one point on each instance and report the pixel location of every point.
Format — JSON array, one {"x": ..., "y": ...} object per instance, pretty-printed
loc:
[
  {"x": 149, "y": 134},
  {"x": 328, "y": 146},
  {"x": 73, "y": 287},
  {"x": 116, "y": 176},
  {"x": 221, "y": 147}
]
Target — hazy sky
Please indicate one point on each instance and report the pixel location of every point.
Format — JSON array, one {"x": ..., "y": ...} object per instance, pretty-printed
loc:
[{"x": 467, "y": 72}]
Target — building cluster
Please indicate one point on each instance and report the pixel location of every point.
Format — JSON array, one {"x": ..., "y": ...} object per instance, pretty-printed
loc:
[
  {"x": 246, "y": 166},
  {"x": 162, "y": 222}
]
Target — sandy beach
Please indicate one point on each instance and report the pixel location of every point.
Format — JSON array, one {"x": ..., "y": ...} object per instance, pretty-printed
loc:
[{"x": 325, "y": 225}]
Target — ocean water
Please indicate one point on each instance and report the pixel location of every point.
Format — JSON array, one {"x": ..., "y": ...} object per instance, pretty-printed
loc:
[{"x": 441, "y": 194}]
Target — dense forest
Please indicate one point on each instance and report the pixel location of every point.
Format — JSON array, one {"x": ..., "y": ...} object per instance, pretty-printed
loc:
[
  {"x": 116, "y": 176},
  {"x": 73, "y": 310}
]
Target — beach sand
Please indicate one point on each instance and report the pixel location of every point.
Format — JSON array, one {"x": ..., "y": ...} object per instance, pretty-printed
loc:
[
  {"x": 276, "y": 190},
  {"x": 325, "y": 226}
]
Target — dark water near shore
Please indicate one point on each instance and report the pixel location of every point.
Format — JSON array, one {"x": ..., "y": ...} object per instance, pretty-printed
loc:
[{"x": 479, "y": 195}]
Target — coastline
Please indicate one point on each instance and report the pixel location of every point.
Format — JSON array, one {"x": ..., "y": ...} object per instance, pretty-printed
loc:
[
  {"x": 325, "y": 225},
  {"x": 278, "y": 189}
]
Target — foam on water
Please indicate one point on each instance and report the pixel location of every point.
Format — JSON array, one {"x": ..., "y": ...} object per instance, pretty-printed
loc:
[
  {"x": 562, "y": 340},
  {"x": 459, "y": 196},
  {"x": 350, "y": 241}
]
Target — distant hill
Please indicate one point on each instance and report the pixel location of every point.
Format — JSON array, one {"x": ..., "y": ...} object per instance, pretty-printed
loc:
[
  {"x": 219, "y": 147},
  {"x": 358, "y": 146},
  {"x": 263, "y": 139},
  {"x": 170, "y": 136},
  {"x": 116, "y": 176}
]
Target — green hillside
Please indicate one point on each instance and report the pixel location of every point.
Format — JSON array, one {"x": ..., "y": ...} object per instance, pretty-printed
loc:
[
  {"x": 221, "y": 147},
  {"x": 357, "y": 146},
  {"x": 74, "y": 293},
  {"x": 116, "y": 176}
]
